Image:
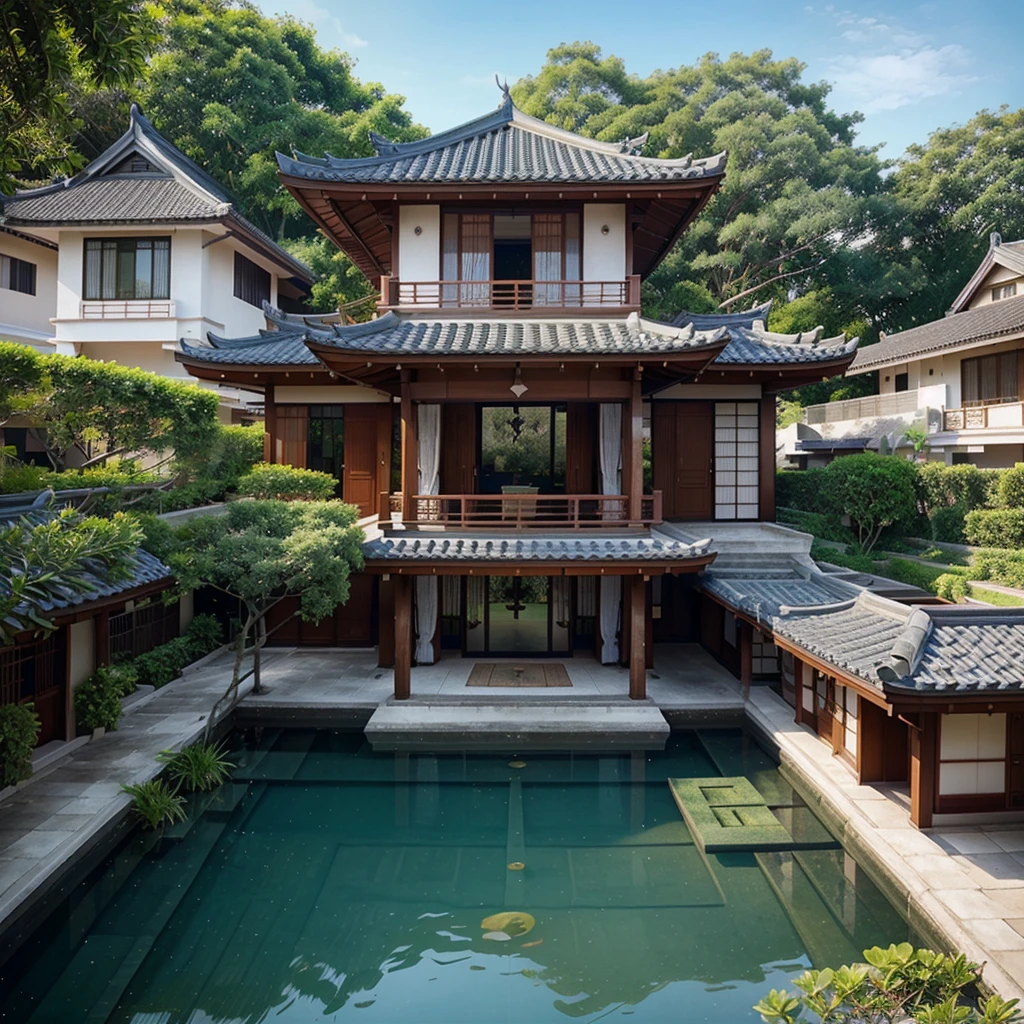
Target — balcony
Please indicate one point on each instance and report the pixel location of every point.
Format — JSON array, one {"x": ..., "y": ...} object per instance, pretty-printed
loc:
[
  {"x": 515, "y": 296},
  {"x": 999, "y": 415},
  {"x": 871, "y": 407},
  {"x": 127, "y": 309},
  {"x": 522, "y": 511}
]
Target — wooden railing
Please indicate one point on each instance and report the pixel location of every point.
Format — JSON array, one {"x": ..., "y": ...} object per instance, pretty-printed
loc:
[
  {"x": 510, "y": 294},
  {"x": 1008, "y": 413},
  {"x": 519, "y": 511},
  {"x": 127, "y": 309}
]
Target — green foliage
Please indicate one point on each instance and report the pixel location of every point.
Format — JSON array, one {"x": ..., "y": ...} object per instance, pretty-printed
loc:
[
  {"x": 995, "y": 527},
  {"x": 22, "y": 372},
  {"x": 947, "y": 524},
  {"x": 914, "y": 574},
  {"x": 801, "y": 489},
  {"x": 66, "y": 554},
  {"x": 1005, "y": 567},
  {"x": 98, "y": 699},
  {"x": 875, "y": 491},
  {"x": 267, "y": 481},
  {"x": 166, "y": 661},
  {"x": 18, "y": 479},
  {"x": 787, "y": 412},
  {"x": 843, "y": 557},
  {"x": 953, "y": 587},
  {"x": 894, "y": 985},
  {"x": 158, "y": 537},
  {"x": 940, "y": 486},
  {"x": 19, "y": 730},
  {"x": 52, "y": 49},
  {"x": 825, "y": 525},
  {"x": 1011, "y": 487},
  {"x": 337, "y": 280},
  {"x": 201, "y": 766},
  {"x": 156, "y": 803}
]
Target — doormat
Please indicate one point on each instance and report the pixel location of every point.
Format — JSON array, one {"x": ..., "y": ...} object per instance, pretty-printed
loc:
[{"x": 511, "y": 674}]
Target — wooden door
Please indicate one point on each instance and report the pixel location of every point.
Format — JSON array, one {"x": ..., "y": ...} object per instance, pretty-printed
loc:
[
  {"x": 458, "y": 449},
  {"x": 1015, "y": 768},
  {"x": 681, "y": 451},
  {"x": 580, "y": 436},
  {"x": 362, "y": 460}
]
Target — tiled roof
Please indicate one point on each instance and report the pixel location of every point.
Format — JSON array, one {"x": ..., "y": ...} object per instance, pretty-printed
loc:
[
  {"x": 709, "y": 321},
  {"x": 993, "y": 321},
  {"x": 893, "y": 646},
  {"x": 1004, "y": 254},
  {"x": 504, "y": 146},
  {"x": 504, "y": 546},
  {"x": 394, "y": 335}
]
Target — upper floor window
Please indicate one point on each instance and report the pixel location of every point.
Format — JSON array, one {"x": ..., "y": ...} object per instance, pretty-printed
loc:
[
  {"x": 127, "y": 268},
  {"x": 17, "y": 275},
  {"x": 252, "y": 283},
  {"x": 989, "y": 379},
  {"x": 1004, "y": 291}
]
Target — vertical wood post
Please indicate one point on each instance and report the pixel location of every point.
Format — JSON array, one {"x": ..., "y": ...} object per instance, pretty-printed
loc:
[
  {"x": 799, "y": 677},
  {"x": 403, "y": 637},
  {"x": 746, "y": 656},
  {"x": 766, "y": 465},
  {"x": 632, "y": 452},
  {"x": 923, "y": 741},
  {"x": 410, "y": 451},
  {"x": 637, "y": 638}
]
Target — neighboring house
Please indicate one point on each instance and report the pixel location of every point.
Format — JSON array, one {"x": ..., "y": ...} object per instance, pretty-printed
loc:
[
  {"x": 139, "y": 249},
  {"x": 491, "y": 424},
  {"x": 960, "y": 379}
]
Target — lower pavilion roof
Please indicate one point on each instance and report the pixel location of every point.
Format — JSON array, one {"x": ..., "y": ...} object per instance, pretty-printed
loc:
[{"x": 936, "y": 649}]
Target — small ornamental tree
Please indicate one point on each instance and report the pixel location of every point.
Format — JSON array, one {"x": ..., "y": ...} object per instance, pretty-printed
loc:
[
  {"x": 262, "y": 552},
  {"x": 67, "y": 555},
  {"x": 875, "y": 491}
]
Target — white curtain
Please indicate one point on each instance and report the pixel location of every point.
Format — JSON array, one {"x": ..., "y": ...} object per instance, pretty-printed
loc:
[
  {"x": 426, "y": 618},
  {"x": 610, "y": 443},
  {"x": 429, "y": 443},
  {"x": 611, "y": 601}
]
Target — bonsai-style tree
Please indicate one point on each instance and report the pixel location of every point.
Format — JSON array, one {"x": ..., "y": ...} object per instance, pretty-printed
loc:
[
  {"x": 875, "y": 491},
  {"x": 262, "y": 552},
  {"x": 64, "y": 556}
]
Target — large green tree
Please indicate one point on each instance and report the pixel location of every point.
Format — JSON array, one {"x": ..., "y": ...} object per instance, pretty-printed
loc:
[{"x": 49, "y": 51}]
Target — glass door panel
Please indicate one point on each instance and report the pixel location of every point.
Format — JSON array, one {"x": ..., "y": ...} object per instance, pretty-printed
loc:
[
  {"x": 522, "y": 449},
  {"x": 518, "y": 614}
]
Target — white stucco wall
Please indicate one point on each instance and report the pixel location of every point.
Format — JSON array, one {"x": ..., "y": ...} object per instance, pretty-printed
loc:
[
  {"x": 82, "y": 642},
  {"x": 604, "y": 255},
  {"x": 218, "y": 286},
  {"x": 996, "y": 276},
  {"x": 26, "y": 318},
  {"x": 419, "y": 256}
]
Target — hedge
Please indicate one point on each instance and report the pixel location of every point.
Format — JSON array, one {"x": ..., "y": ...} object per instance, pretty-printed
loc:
[
  {"x": 940, "y": 486},
  {"x": 800, "y": 489},
  {"x": 287, "y": 483},
  {"x": 165, "y": 662},
  {"x": 995, "y": 528},
  {"x": 999, "y": 566}
]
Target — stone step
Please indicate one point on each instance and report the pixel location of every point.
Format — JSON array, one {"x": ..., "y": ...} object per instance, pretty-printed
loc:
[{"x": 511, "y": 725}]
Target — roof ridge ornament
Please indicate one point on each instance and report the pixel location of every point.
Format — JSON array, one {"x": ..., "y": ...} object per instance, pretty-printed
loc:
[
  {"x": 506, "y": 92},
  {"x": 634, "y": 147}
]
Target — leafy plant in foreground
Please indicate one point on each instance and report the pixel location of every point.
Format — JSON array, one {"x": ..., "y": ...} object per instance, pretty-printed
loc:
[
  {"x": 19, "y": 727},
  {"x": 898, "y": 984},
  {"x": 156, "y": 803},
  {"x": 199, "y": 767}
]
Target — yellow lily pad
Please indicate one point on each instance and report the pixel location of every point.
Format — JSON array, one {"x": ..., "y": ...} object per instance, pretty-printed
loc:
[{"x": 511, "y": 923}]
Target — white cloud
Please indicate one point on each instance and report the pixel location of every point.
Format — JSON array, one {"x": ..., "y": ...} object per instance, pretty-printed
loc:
[
  {"x": 329, "y": 27},
  {"x": 888, "y": 81}
]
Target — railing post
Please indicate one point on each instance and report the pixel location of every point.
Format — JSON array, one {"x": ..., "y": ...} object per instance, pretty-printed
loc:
[
  {"x": 633, "y": 290},
  {"x": 385, "y": 289},
  {"x": 384, "y": 507}
]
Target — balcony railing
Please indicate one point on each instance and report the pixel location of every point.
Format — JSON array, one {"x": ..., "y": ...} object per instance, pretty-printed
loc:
[
  {"x": 521, "y": 511},
  {"x": 1008, "y": 413},
  {"x": 871, "y": 407},
  {"x": 127, "y": 309},
  {"x": 510, "y": 295}
]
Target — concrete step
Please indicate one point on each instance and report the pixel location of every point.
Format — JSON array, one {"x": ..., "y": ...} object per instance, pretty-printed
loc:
[{"x": 512, "y": 724}]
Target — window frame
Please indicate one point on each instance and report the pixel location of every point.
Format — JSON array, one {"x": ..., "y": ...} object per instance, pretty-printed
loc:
[
  {"x": 1004, "y": 291},
  {"x": 124, "y": 243},
  {"x": 1000, "y": 375},
  {"x": 242, "y": 265},
  {"x": 16, "y": 267}
]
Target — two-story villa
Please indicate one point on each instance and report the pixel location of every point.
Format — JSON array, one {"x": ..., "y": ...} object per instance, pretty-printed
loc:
[
  {"x": 960, "y": 379},
  {"x": 546, "y": 474},
  {"x": 139, "y": 249}
]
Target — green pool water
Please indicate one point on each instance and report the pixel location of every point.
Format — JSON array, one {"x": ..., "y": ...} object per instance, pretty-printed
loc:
[{"x": 327, "y": 883}]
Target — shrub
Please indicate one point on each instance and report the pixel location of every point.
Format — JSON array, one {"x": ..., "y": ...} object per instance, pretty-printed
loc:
[
  {"x": 939, "y": 486},
  {"x": 895, "y": 984},
  {"x": 914, "y": 574},
  {"x": 995, "y": 528},
  {"x": 16, "y": 479},
  {"x": 856, "y": 560},
  {"x": 952, "y": 586},
  {"x": 199, "y": 767},
  {"x": 235, "y": 452},
  {"x": 287, "y": 483},
  {"x": 800, "y": 489},
  {"x": 999, "y": 566},
  {"x": 947, "y": 523},
  {"x": 875, "y": 491},
  {"x": 19, "y": 730},
  {"x": 156, "y": 803},
  {"x": 1011, "y": 487},
  {"x": 165, "y": 662},
  {"x": 158, "y": 537},
  {"x": 98, "y": 699},
  {"x": 824, "y": 525}
]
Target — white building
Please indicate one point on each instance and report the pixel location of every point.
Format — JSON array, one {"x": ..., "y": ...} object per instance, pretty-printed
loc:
[
  {"x": 960, "y": 379},
  {"x": 139, "y": 250}
]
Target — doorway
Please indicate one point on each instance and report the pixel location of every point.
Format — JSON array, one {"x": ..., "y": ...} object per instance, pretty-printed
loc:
[
  {"x": 522, "y": 449},
  {"x": 508, "y": 616}
]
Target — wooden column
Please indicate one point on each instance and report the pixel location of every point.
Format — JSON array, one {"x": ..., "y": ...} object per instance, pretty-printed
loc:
[
  {"x": 269, "y": 423},
  {"x": 746, "y": 656},
  {"x": 766, "y": 460},
  {"x": 386, "y": 623},
  {"x": 637, "y": 638},
  {"x": 923, "y": 740},
  {"x": 410, "y": 450},
  {"x": 403, "y": 637},
  {"x": 799, "y": 683},
  {"x": 632, "y": 450}
]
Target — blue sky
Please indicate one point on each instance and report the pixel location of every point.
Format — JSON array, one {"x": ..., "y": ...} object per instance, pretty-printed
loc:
[{"x": 908, "y": 67}]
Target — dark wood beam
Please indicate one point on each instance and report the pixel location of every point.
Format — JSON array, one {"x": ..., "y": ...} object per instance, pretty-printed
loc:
[
  {"x": 403, "y": 637},
  {"x": 637, "y": 638}
]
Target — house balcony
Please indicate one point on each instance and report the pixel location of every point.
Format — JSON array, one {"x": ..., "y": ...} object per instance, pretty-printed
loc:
[
  {"x": 519, "y": 511},
  {"x": 996, "y": 416},
  {"x": 488, "y": 297},
  {"x": 870, "y": 407},
  {"x": 126, "y": 309}
]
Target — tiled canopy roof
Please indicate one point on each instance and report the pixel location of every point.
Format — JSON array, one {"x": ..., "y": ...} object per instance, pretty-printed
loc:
[
  {"x": 392, "y": 335},
  {"x": 503, "y": 146},
  {"x": 993, "y": 321},
  {"x": 886, "y": 644},
  {"x": 745, "y": 318}
]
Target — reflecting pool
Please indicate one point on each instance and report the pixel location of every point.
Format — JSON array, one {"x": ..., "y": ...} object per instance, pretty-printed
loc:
[{"x": 327, "y": 883}]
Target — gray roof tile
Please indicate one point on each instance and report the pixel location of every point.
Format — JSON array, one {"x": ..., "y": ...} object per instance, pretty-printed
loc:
[
  {"x": 503, "y": 146},
  {"x": 721, "y": 318}
]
